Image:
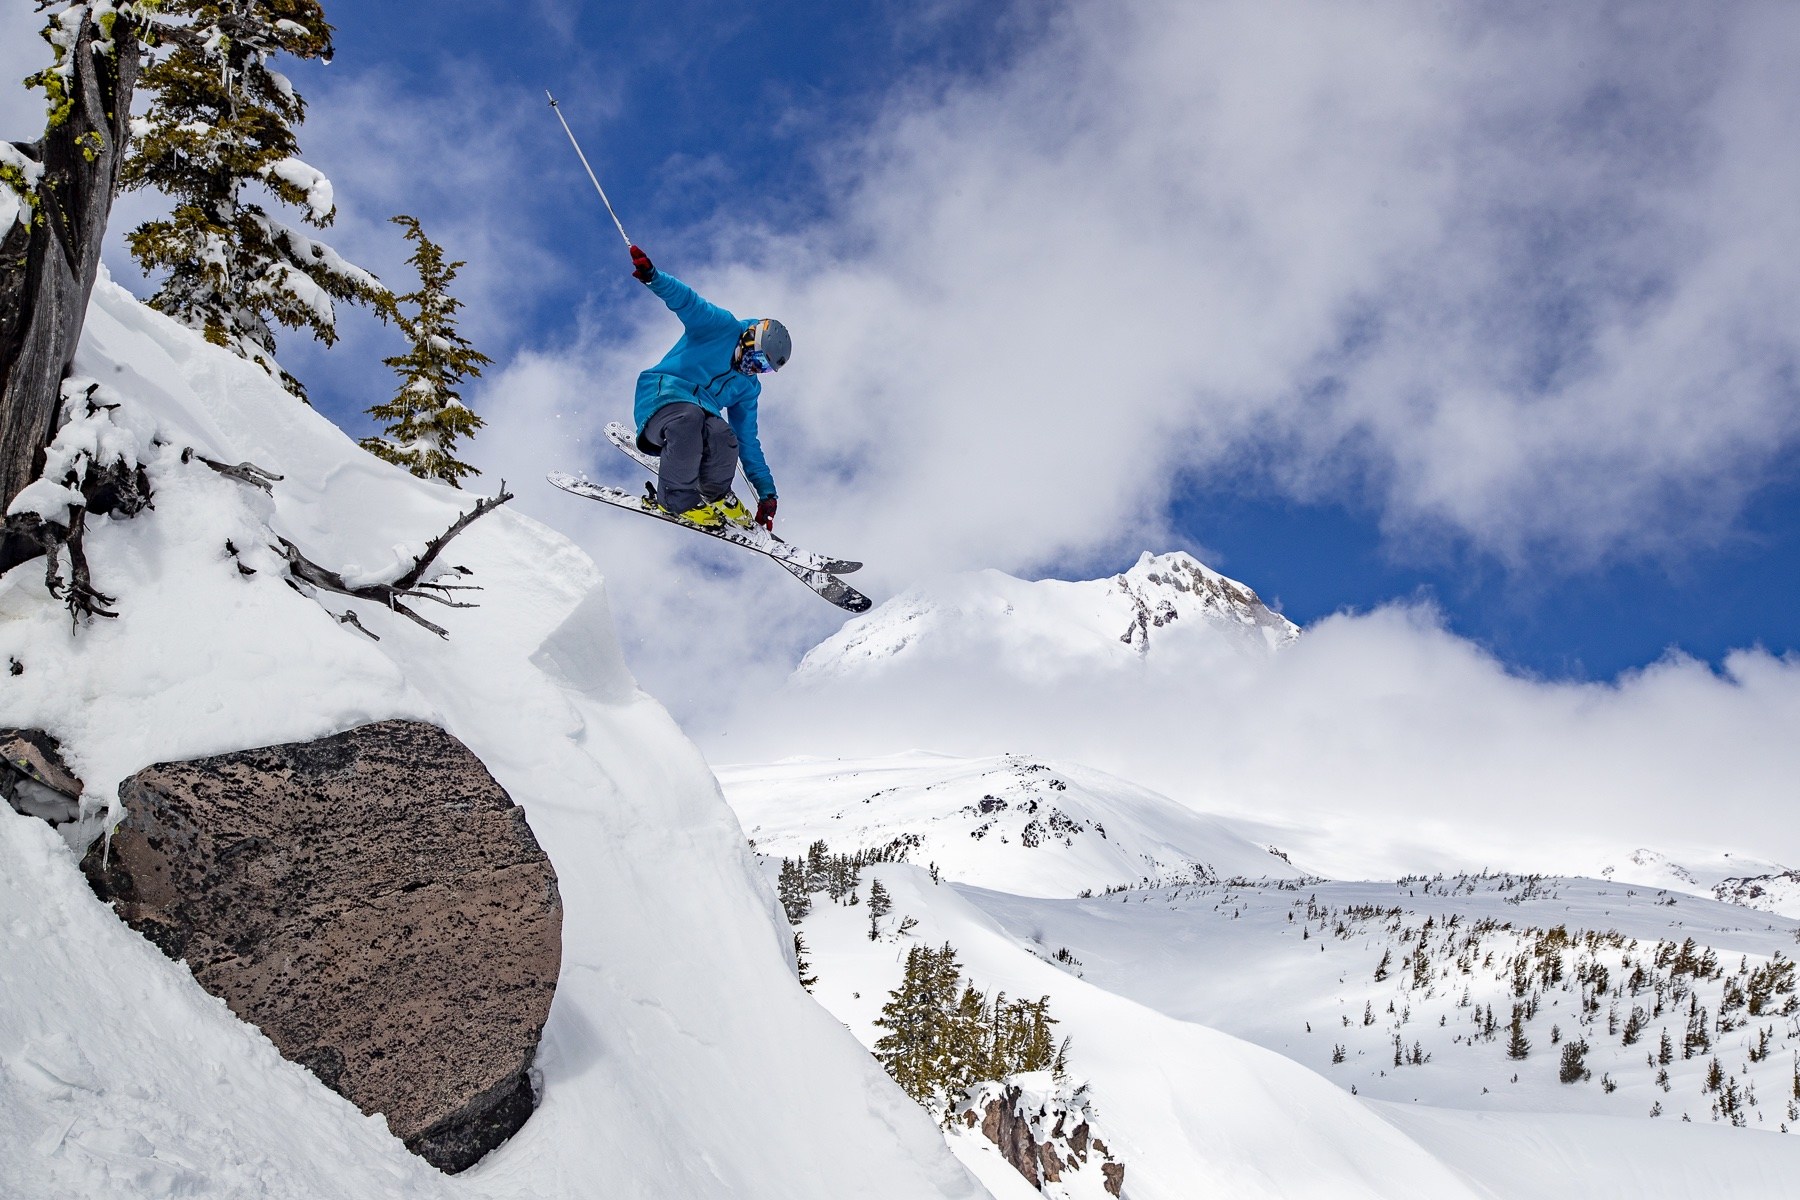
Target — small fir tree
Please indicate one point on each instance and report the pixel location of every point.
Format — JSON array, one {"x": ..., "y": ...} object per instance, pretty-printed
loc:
[
  {"x": 220, "y": 122},
  {"x": 880, "y": 904},
  {"x": 1573, "y": 1066},
  {"x": 1517, "y": 1044},
  {"x": 802, "y": 967},
  {"x": 427, "y": 415},
  {"x": 790, "y": 886}
]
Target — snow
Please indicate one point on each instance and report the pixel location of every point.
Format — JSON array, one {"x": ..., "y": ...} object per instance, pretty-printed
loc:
[
  {"x": 1205, "y": 1017},
  {"x": 1055, "y": 627},
  {"x": 1530, "y": 1156},
  {"x": 1008, "y": 823},
  {"x": 308, "y": 179},
  {"x": 316, "y": 254},
  {"x": 1192, "y": 1111},
  {"x": 15, "y": 206},
  {"x": 90, "y": 433},
  {"x": 681, "y": 1057}
]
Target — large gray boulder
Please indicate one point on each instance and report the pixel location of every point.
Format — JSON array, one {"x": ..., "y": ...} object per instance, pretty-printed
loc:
[{"x": 372, "y": 901}]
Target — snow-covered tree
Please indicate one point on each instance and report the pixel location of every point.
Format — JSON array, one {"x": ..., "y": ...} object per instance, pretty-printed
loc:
[
  {"x": 219, "y": 129},
  {"x": 427, "y": 415}
]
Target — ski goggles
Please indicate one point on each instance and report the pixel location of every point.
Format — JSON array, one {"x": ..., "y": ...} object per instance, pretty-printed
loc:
[{"x": 752, "y": 359}]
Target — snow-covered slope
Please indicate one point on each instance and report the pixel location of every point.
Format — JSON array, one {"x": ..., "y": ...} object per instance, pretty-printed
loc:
[
  {"x": 1386, "y": 1004},
  {"x": 1189, "y": 1110},
  {"x": 1009, "y": 823},
  {"x": 681, "y": 1057},
  {"x": 1169, "y": 606}
]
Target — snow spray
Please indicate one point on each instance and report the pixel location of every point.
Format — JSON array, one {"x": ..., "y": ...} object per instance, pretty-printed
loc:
[{"x": 590, "y": 170}]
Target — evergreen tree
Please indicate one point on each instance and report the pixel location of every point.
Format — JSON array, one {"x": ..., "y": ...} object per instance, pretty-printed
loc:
[
  {"x": 943, "y": 1035},
  {"x": 427, "y": 414},
  {"x": 910, "y": 1018},
  {"x": 220, "y": 120},
  {"x": 1573, "y": 1066},
  {"x": 802, "y": 967},
  {"x": 880, "y": 904},
  {"x": 790, "y": 886},
  {"x": 1517, "y": 1044},
  {"x": 818, "y": 866}
]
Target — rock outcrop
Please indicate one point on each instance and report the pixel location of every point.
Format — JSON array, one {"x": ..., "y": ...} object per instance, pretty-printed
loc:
[
  {"x": 34, "y": 779},
  {"x": 1043, "y": 1128},
  {"x": 374, "y": 902}
]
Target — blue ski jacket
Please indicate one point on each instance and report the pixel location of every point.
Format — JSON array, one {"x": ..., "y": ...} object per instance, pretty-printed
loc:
[{"x": 698, "y": 370}]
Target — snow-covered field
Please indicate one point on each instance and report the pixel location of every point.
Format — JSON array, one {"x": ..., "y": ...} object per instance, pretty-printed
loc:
[{"x": 1325, "y": 1011}]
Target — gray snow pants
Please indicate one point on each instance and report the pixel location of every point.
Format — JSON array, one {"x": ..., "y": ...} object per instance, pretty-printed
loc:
[{"x": 699, "y": 455}]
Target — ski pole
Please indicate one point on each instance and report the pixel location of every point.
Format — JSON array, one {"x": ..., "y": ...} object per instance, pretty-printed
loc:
[{"x": 590, "y": 170}]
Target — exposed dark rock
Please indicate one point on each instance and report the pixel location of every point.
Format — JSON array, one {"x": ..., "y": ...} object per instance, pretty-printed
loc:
[
  {"x": 1042, "y": 1133},
  {"x": 374, "y": 902},
  {"x": 34, "y": 779}
]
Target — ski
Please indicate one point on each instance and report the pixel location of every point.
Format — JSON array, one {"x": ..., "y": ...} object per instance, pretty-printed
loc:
[
  {"x": 623, "y": 437},
  {"x": 794, "y": 561}
]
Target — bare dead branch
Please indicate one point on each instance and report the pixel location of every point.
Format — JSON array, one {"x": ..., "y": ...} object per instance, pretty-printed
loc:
[
  {"x": 244, "y": 472},
  {"x": 349, "y": 618},
  {"x": 422, "y": 564},
  {"x": 407, "y": 587}
]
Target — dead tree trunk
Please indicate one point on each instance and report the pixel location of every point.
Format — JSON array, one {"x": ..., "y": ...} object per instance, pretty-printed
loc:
[{"x": 47, "y": 269}]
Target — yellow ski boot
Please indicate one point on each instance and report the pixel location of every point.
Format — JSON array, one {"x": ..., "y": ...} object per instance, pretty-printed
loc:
[
  {"x": 707, "y": 516},
  {"x": 731, "y": 510}
]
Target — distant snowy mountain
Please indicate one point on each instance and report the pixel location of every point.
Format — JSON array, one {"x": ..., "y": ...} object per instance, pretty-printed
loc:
[
  {"x": 1168, "y": 606},
  {"x": 1732, "y": 878},
  {"x": 1009, "y": 823},
  {"x": 1777, "y": 893}
]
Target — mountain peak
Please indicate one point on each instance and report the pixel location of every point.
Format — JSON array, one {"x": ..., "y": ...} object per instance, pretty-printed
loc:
[
  {"x": 1169, "y": 599},
  {"x": 1165, "y": 586}
]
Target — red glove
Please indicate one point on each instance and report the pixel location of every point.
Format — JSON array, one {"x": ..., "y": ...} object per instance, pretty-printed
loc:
[
  {"x": 765, "y": 514},
  {"x": 645, "y": 270}
]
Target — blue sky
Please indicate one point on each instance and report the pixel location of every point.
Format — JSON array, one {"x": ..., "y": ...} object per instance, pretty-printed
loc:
[{"x": 1486, "y": 311}]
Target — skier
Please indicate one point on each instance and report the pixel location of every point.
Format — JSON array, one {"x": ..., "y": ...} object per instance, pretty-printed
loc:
[{"x": 696, "y": 409}]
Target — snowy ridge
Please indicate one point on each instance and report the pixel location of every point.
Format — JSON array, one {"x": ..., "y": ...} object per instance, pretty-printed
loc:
[
  {"x": 703, "y": 1072},
  {"x": 1779, "y": 893},
  {"x": 1008, "y": 823},
  {"x": 1719, "y": 875},
  {"x": 1167, "y": 606},
  {"x": 1189, "y": 1110}
]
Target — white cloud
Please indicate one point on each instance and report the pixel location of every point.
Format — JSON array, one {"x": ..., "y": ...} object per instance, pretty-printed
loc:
[{"x": 1378, "y": 744}]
